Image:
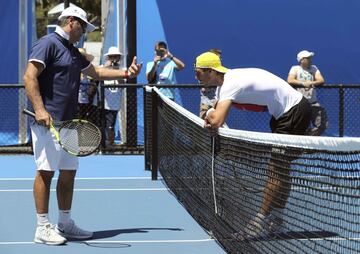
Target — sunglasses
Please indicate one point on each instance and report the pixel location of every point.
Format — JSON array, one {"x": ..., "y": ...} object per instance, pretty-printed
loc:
[{"x": 82, "y": 23}]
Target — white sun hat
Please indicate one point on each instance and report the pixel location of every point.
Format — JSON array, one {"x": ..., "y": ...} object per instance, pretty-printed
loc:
[{"x": 113, "y": 51}]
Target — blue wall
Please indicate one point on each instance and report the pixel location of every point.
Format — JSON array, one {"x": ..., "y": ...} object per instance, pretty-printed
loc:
[
  {"x": 9, "y": 43},
  {"x": 263, "y": 33},
  {"x": 112, "y": 31},
  {"x": 9, "y": 65},
  {"x": 255, "y": 33}
]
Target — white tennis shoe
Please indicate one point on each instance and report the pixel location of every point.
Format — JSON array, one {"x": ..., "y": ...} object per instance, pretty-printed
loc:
[
  {"x": 70, "y": 230},
  {"x": 261, "y": 226},
  {"x": 46, "y": 234}
]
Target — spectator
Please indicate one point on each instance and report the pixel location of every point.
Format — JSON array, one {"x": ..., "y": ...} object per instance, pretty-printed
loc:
[
  {"x": 305, "y": 77},
  {"x": 52, "y": 80},
  {"x": 84, "y": 101},
  {"x": 113, "y": 95},
  {"x": 161, "y": 71}
]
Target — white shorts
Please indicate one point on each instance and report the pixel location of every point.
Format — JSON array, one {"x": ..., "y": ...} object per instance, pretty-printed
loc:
[{"x": 49, "y": 155}]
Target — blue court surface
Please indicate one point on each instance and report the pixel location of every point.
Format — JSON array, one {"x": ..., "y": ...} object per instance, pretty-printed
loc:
[{"x": 114, "y": 197}]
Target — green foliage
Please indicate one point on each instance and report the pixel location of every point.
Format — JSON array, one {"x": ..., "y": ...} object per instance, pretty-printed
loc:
[
  {"x": 92, "y": 7},
  {"x": 94, "y": 36}
]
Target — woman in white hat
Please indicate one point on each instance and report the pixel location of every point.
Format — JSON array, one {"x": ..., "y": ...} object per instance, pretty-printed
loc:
[{"x": 112, "y": 95}]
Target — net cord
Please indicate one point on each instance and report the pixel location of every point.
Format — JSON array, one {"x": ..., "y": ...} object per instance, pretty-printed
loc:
[{"x": 338, "y": 144}]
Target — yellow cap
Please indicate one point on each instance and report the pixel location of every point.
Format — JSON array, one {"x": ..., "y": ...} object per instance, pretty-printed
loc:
[{"x": 211, "y": 61}]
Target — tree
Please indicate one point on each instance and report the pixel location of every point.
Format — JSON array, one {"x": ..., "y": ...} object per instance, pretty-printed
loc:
[{"x": 92, "y": 7}]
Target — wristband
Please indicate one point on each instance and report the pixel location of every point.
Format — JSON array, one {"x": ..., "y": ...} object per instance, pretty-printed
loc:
[
  {"x": 208, "y": 112},
  {"x": 126, "y": 74},
  {"x": 172, "y": 57}
]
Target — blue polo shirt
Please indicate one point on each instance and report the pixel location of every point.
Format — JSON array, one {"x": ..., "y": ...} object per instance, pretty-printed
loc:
[{"x": 59, "y": 81}]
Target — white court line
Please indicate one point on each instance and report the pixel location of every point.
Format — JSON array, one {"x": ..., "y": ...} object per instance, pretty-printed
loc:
[
  {"x": 180, "y": 241},
  {"x": 124, "y": 241},
  {"x": 85, "y": 178},
  {"x": 109, "y": 189},
  {"x": 330, "y": 238}
]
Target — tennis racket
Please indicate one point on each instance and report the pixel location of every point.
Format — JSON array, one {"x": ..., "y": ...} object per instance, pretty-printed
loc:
[{"x": 77, "y": 137}]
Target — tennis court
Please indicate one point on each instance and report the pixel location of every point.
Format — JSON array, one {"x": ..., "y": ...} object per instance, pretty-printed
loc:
[
  {"x": 208, "y": 189},
  {"x": 114, "y": 197}
]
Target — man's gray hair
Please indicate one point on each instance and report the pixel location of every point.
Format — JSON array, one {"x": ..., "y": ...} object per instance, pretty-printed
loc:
[{"x": 63, "y": 21}]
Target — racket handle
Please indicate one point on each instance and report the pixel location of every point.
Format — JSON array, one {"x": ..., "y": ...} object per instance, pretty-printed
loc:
[{"x": 29, "y": 113}]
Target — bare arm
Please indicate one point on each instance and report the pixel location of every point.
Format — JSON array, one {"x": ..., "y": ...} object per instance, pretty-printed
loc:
[
  {"x": 319, "y": 79},
  {"x": 179, "y": 64},
  {"x": 32, "y": 89},
  {"x": 217, "y": 115},
  {"x": 101, "y": 73},
  {"x": 293, "y": 81},
  {"x": 151, "y": 74}
]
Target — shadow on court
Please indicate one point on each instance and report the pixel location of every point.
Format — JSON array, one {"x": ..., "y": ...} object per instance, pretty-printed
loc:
[{"x": 115, "y": 232}]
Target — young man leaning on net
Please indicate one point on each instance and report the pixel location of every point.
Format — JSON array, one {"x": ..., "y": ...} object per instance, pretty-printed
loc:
[{"x": 258, "y": 90}]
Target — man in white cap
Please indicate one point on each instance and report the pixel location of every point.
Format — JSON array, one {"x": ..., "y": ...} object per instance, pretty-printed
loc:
[
  {"x": 52, "y": 80},
  {"x": 255, "y": 89},
  {"x": 305, "y": 77}
]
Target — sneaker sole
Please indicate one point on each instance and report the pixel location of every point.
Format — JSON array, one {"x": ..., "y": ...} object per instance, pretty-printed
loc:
[
  {"x": 76, "y": 237},
  {"x": 37, "y": 240}
]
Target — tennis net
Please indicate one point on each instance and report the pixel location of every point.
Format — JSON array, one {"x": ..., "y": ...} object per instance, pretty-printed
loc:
[{"x": 222, "y": 180}]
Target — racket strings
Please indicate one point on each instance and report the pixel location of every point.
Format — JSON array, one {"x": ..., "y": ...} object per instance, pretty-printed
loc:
[{"x": 79, "y": 137}]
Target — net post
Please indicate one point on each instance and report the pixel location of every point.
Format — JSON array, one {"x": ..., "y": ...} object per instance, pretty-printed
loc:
[
  {"x": 341, "y": 110},
  {"x": 154, "y": 135},
  {"x": 131, "y": 93},
  {"x": 147, "y": 128}
]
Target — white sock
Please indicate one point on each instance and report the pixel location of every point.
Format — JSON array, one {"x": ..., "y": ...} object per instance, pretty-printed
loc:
[
  {"x": 259, "y": 216},
  {"x": 42, "y": 218},
  {"x": 64, "y": 216}
]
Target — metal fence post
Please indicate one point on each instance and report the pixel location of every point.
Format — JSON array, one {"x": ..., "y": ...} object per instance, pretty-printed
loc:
[
  {"x": 341, "y": 110},
  {"x": 154, "y": 133},
  {"x": 147, "y": 128}
]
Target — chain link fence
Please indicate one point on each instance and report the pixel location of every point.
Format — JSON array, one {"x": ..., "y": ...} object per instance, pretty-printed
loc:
[{"x": 119, "y": 112}]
